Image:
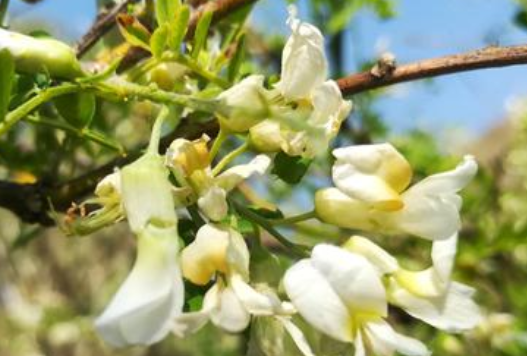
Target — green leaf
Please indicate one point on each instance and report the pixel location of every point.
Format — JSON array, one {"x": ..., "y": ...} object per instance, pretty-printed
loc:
[
  {"x": 133, "y": 31},
  {"x": 290, "y": 169},
  {"x": 77, "y": 109},
  {"x": 178, "y": 28},
  {"x": 7, "y": 75},
  {"x": 267, "y": 213},
  {"x": 233, "y": 70},
  {"x": 158, "y": 41},
  {"x": 202, "y": 31},
  {"x": 520, "y": 19},
  {"x": 166, "y": 11}
]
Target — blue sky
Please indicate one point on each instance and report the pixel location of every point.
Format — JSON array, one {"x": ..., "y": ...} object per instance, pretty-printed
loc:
[{"x": 423, "y": 29}]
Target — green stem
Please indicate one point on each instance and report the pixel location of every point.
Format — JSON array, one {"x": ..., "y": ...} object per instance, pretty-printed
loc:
[
  {"x": 91, "y": 135},
  {"x": 45, "y": 95},
  {"x": 196, "y": 68},
  {"x": 299, "y": 250},
  {"x": 229, "y": 158},
  {"x": 295, "y": 219},
  {"x": 155, "y": 137},
  {"x": 218, "y": 141},
  {"x": 125, "y": 91}
]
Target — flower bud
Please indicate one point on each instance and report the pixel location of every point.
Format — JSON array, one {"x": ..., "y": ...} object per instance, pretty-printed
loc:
[
  {"x": 245, "y": 99},
  {"x": 35, "y": 55},
  {"x": 266, "y": 136}
]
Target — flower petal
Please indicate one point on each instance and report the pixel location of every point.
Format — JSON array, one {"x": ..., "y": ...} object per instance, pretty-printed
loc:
[
  {"x": 229, "y": 179},
  {"x": 353, "y": 278},
  {"x": 206, "y": 255},
  {"x": 254, "y": 302},
  {"x": 334, "y": 207},
  {"x": 141, "y": 312},
  {"x": 304, "y": 64},
  {"x": 297, "y": 336},
  {"x": 432, "y": 205},
  {"x": 382, "y": 260},
  {"x": 455, "y": 311},
  {"x": 317, "y": 302},
  {"x": 384, "y": 341},
  {"x": 213, "y": 203},
  {"x": 375, "y": 174},
  {"x": 229, "y": 314}
]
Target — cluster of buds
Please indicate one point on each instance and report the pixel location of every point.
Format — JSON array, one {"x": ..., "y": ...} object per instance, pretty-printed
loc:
[{"x": 342, "y": 291}]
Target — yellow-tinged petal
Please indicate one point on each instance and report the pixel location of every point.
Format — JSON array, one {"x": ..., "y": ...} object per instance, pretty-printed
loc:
[
  {"x": 334, "y": 207},
  {"x": 206, "y": 255},
  {"x": 382, "y": 260},
  {"x": 188, "y": 155}
]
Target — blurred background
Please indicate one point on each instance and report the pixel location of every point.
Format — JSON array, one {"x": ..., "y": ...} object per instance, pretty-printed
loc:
[{"x": 52, "y": 287}]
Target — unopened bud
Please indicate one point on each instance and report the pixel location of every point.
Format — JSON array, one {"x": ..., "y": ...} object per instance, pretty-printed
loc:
[
  {"x": 190, "y": 156},
  {"x": 41, "y": 55}
]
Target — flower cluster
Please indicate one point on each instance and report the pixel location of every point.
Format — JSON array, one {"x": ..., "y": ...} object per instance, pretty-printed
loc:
[{"x": 342, "y": 291}]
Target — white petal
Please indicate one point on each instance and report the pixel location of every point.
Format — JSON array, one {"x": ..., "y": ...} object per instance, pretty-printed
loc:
[
  {"x": 147, "y": 193},
  {"x": 317, "y": 302},
  {"x": 142, "y": 310},
  {"x": 229, "y": 179},
  {"x": 382, "y": 260},
  {"x": 375, "y": 174},
  {"x": 432, "y": 206},
  {"x": 230, "y": 314},
  {"x": 434, "y": 281},
  {"x": 304, "y": 64},
  {"x": 430, "y": 217},
  {"x": 353, "y": 278},
  {"x": 329, "y": 109},
  {"x": 238, "y": 254},
  {"x": 384, "y": 341},
  {"x": 188, "y": 323},
  {"x": 454, "y": 312},
  {"x": 111, "y": 184},
  {"x": 448, "y": 182},
  {"x": 213, "y": 203},
  {"x": 297, "y": 336},
  {"x": 334, "y": 207},
  {"x": 255, "y": 302}
]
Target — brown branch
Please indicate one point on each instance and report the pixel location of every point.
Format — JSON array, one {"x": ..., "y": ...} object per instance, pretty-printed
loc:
[
  {"x": 104, "y": 23},
  {"x": 490, "y": 57}
]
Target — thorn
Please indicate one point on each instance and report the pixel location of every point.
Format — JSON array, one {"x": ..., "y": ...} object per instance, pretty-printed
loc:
[{"x": 385, "y": 66}]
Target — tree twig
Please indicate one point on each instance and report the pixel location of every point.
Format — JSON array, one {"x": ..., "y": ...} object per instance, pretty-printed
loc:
[
  {"x": 102, "y": 25},
  {"x": 490, "y": 57}
]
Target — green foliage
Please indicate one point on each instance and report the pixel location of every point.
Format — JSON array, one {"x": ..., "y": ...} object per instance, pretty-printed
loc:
[
  {"x": 201, "y": 34},
  {"x": 77, "y": 109},
  {"x": 290, "y": 169},
  {"x": 133, "y": 31}
]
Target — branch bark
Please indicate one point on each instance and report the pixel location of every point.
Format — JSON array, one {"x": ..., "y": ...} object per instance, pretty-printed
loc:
[
  {"x": 490, "y": 57},
  {"x": 103, "y": 24}
]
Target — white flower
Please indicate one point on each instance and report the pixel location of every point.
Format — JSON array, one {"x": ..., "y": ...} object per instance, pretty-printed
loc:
[
  {"x": 220, "y": 253},
  {"x": 429, "y": 295},
  {"x": 319, "y": 108},
  {"x": 141, "y": 312},
  {"x": 247, "y": 99},
  {"x": 341, "y": 295},
  {"x": 372, "y": 194},
  {"x": 191, "y": 160}
]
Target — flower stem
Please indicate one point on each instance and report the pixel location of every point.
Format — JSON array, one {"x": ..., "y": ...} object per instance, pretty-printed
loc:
[
  {"x": 218, "y": 141},
  {"x": 229, "y": 158},
  {"x": 91, "y": 135},
  {"x": 45, "y": 95},
  {"x": 301, "y": 251},
  {"x": 295, "y": 218},
  {"x": 155, "y": 137}
]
